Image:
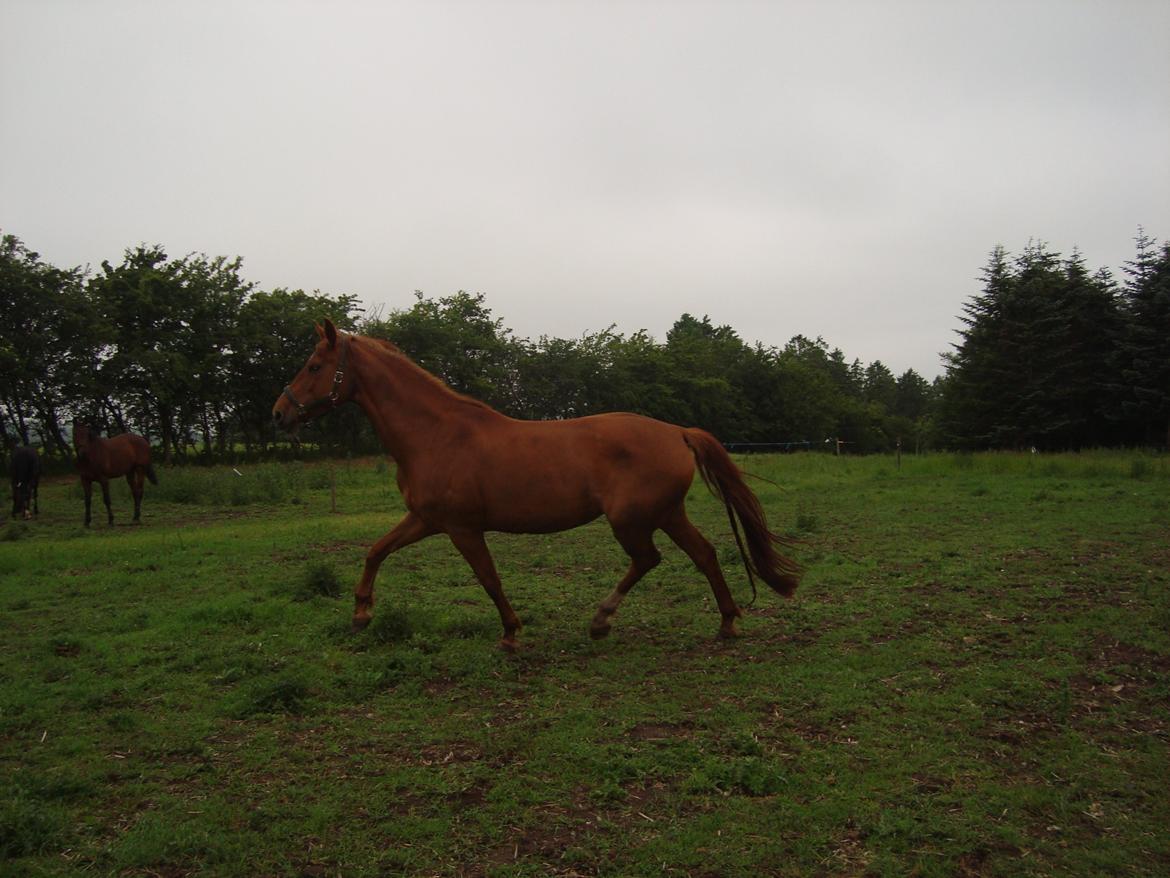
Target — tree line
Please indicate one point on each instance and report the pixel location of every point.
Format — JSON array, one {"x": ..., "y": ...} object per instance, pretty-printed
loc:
[{"x": 189, "y": 353}]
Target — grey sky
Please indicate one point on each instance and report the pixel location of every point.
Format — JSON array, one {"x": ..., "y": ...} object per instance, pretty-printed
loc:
[{"x": 835, "y": 168}]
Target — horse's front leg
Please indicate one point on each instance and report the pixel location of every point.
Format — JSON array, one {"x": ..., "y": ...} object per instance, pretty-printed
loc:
[
  {"x": 410, "y": 530},
  {"x": 472, "y": 547}
]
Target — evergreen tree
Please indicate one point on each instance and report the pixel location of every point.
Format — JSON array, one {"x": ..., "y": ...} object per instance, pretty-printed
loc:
[
  {"x": 1143, "y": 354},
  {"x": 1034, "y": 367}
]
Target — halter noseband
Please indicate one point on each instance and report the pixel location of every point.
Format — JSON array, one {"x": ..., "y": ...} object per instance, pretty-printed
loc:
[{"x": 334, "y": 393}]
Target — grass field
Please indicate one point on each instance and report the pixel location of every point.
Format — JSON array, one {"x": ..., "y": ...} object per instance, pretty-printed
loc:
[{"x": 973, "y": 679}]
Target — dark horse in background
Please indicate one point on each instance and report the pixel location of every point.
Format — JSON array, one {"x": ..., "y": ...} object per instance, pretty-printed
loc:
[
  {"x": 464, "y": 468},
  {"x": 25, "y": 469},
  {"x": 99, "y": 460}
]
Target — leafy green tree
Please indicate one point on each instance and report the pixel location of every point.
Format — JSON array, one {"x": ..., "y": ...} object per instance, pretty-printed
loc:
[
  {"x": 48, "y": 335},
  {"x": 171, "y": 322},
  {"x": 564, "y": 378},
  {"x": 704, "y": 362},
  {"x": 641, "y": 379},
  {"x": 457, "y": 339},
  {"x": 273, "y": 336}
]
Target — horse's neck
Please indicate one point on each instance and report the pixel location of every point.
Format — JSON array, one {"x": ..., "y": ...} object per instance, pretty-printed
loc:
[
  {"x": 407, "y": 405},
  {"x": 94, "y": 450}
]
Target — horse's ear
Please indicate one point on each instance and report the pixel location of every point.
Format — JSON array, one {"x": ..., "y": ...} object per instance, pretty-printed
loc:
[
  {"x": 330, "y": 333},
  {"x": 320, "y": 330}
]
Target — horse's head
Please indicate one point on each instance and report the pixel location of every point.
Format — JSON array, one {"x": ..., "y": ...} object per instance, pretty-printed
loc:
[
  {"x": 81, "y": 435},
  {"x": 320, "y": 385}
]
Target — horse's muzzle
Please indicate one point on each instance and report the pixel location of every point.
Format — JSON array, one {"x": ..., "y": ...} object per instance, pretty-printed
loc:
[{"x": 285, "y": 420}]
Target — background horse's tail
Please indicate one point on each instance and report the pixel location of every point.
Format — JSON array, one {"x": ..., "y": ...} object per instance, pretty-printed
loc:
[
  {"x": 726, "y": 482},
  {"x": 150, "y": 474}
]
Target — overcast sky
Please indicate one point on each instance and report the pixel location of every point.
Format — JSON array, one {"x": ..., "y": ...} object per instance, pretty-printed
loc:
[{"x": 840, "y": 169}]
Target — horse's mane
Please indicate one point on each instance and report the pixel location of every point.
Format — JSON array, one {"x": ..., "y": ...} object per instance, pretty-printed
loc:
[{"x": 392, "y": 349}]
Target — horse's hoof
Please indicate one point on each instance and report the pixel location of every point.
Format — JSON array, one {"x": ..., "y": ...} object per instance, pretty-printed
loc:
[
  {"x": 597, "y": 632},
  {"x": 359, "y": 623},
  {"x": 727, "y": 631},
  {"x": 509, "y": 645}
]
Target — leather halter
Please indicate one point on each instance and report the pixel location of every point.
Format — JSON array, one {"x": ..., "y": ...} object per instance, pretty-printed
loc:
[{"x": 334, "y": 395}]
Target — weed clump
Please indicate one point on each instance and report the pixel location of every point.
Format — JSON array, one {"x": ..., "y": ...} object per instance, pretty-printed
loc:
[
  {"x": 318, "y": 580},
  {"x": 806, "y": 522},
  {"x": 391, "y": 628},
  {"x": 15, "y": 531},
  {"x": 1139, "y": 469},
  {"x": 284, "y": 695},
  {"x": 28, "y": 825},
  {"x": 750, "y": 776}
]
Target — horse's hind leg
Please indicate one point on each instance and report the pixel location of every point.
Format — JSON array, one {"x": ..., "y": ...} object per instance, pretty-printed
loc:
[
  {"x": 87, "y": 489},
  {"x": 134, "y": 479},
  {"x": 679, "y": 528},
  {"x": 472, "y": 547},
  {"x": 644, "y": 557}
]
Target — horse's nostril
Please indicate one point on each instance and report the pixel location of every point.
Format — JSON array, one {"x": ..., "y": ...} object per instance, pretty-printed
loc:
[{"x": 276, "y": 416}]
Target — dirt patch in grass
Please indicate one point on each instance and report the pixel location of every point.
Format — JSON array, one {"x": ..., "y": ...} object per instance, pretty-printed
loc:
[{"x": 660, "y": 731}]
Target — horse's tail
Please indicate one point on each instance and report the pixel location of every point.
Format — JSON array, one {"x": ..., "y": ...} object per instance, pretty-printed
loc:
[
  {"x": 726, "y": 482},
  {"x": 150, "y": 474}
]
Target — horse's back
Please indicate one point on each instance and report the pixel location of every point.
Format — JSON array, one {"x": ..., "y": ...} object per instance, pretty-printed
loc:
[
  {"x": 117, "y": 456},
  {"x": 25, "y": 465}
]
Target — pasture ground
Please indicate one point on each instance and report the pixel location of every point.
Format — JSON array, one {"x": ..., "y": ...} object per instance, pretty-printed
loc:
[{"x": 972, "y": 680}]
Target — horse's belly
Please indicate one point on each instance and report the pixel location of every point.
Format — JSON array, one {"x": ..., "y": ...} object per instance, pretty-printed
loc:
[{"x": 546, "y": 510}]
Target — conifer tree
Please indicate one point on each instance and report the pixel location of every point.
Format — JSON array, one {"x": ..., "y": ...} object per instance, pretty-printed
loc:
[{"x": 1143, "y": 354}]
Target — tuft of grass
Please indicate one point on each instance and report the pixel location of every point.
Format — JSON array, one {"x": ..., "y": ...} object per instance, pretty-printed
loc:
[
  {"x": 319, "y": 579},
  {"x": 29, "y": 824},
  {"x": 15, "y": 531},
  {"x": 746, "y": 776},
  {"x": 285, "y": 695},
  {"x": 392, "y": 626},
  {"x": 807, "y": 522}
]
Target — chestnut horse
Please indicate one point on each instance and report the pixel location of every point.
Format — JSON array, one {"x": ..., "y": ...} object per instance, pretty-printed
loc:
[
  {"x": 99, "y": 460},
  {"x": 464, "y": 468}
]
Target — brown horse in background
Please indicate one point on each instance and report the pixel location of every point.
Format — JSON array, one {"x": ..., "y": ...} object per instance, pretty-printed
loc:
[
  {"x": 99, "y": 460},
  {"x": 464, "y": 468}
]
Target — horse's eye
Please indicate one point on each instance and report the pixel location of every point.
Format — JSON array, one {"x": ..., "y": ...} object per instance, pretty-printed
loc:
[{"x": 316, "y": 367}]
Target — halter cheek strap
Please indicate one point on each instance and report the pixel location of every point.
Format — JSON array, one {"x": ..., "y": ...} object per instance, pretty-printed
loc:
[{"x": 334, "y": 395}]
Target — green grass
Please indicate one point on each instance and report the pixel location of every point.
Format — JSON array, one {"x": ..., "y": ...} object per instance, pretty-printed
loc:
[{"x": 974, "y": 678}]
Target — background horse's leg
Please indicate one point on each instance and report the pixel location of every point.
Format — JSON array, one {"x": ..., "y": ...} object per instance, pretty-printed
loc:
[
  {"x": 410, "y": 530},
  {"x": 106, "y": 498},
  {"x": 472, "y": 547},
  {"x": 644, "y": 557},
  {"x": 679, "y": 528},
  {"x": 134, "y": 479},
  {"x": 87, "y": 489}
]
